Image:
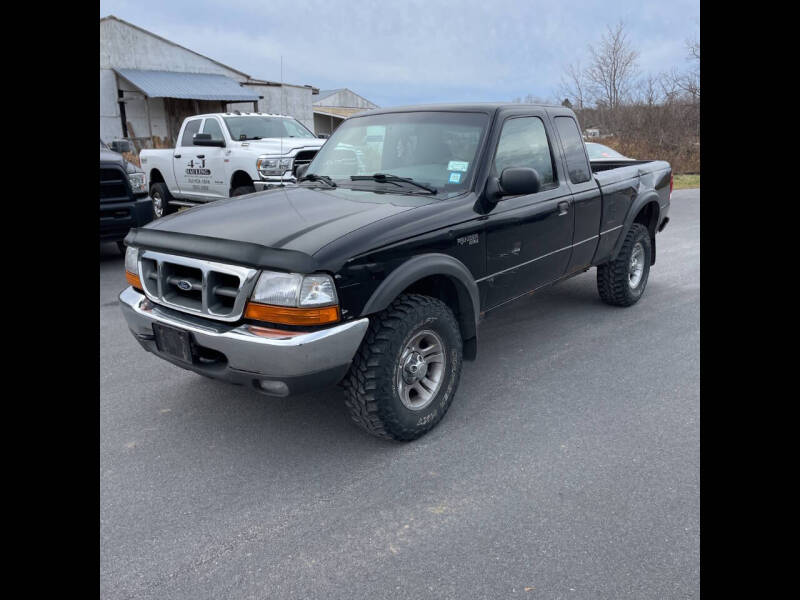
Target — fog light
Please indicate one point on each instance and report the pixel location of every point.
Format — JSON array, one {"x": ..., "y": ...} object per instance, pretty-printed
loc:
[{"x": 273, "y": 388}]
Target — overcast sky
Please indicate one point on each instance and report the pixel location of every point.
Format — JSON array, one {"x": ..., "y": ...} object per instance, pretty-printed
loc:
[{"x": 416, "y": 51}]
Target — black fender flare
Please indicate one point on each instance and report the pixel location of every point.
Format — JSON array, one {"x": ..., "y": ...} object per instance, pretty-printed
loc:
[
  {"x": 638, "y": 204},
  {"x": 425, "y": 265}
]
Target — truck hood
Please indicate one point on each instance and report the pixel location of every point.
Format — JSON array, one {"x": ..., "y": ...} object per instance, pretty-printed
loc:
[
  {"x": 295, "y": 218},
  {"x": 282, "y": 146}
]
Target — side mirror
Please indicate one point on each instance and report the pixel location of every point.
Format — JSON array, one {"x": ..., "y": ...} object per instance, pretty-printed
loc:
[
  {"x": 121, "y": 146},
  {"x": 301, "y": 170},
  {"x": 323, "y": 136},
  {"x": 204, "y": 139},
  {"x": 513, "y": 181},
  {"x": 519, "y": 181}
]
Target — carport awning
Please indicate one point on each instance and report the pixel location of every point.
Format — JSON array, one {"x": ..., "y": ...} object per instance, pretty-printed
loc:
[{"x": 189, "y": 86}]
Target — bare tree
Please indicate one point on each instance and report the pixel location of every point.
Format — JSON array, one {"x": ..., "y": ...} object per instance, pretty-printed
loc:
[
  {"x": 648, "y": 90},
  {"x": 612, "y": 71},
  {"x": 573, "y": 85}
]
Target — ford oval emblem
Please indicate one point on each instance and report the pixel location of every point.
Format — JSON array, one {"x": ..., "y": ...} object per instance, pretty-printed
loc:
[{"x": 185, "y": 285}]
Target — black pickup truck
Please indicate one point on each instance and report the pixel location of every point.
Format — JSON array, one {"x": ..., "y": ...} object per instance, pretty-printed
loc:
[{"x": 375, "y": 269}]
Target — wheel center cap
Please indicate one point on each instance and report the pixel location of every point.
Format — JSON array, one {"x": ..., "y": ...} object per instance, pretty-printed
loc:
[{"x": 415, "y": 367}]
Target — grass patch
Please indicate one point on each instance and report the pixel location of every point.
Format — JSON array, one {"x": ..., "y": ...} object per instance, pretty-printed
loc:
[{"x": 686, "y": 182}]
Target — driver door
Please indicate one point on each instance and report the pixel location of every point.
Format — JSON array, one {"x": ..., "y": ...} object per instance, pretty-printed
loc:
[
  {"x": 213, "y": 160},
  {"x": 528, "y": 237}
]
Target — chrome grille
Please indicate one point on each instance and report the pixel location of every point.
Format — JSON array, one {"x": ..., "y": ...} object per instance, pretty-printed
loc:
[{"x": 215, "y": 290}]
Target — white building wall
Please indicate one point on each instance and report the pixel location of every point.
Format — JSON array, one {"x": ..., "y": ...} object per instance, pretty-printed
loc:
[
  {"x": 125, "y": 47},
  {"x": 110, "y": 124}
]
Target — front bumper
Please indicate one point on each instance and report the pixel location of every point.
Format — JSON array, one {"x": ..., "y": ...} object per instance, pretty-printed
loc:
[
  {"x": 274, "y": 362},
  {"x": 117, "y": 218},
  {"x": 273, "y": 181}
]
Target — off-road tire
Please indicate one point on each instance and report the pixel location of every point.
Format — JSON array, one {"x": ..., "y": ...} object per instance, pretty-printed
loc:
[
  {"x": 613, "y": 282},
  {"x": 159, "y": 190},
  {"x": 242, "y": 190},
  {"x": 370, "y": 386}
]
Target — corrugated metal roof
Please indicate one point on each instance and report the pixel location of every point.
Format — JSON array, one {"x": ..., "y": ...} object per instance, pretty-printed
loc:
[{"x": 190, "y": 86}]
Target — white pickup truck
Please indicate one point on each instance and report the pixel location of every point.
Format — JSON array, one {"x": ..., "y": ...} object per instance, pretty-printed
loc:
[{"x": 227, "y": 154}]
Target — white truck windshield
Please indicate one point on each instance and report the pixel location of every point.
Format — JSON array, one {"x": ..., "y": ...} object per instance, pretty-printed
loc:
[{"x": 254, "y": 127}]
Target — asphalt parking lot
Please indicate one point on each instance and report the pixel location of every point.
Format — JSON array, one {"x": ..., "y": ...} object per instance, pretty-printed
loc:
[{"x": 567, "y": 466}]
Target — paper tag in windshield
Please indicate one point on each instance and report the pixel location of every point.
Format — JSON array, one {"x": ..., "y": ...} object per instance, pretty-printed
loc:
[
  {"x": 455, "y": 177},
  {"x": 457, "y": 165}
]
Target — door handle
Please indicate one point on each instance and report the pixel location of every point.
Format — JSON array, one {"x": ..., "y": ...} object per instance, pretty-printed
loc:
[
  {"x": 563, "y": 208},
  {"x": 201, "y": 156},
  {"x": 177, "y": 155}
]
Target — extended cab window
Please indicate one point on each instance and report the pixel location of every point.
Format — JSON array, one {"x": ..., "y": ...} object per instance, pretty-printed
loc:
[
  {"x": 523, "y": 143},
  {"x": 574, "y": 150},
  {"x": 191, "y": 128},
  {"x": 211, "y": 126}
]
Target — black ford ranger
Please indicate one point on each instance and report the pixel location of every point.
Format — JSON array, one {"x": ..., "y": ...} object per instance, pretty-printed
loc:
[{"x": 374, "y": 270}]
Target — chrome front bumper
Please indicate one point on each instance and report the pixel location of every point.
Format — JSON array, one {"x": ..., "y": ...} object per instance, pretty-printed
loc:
[
  {"x": 274, "y": 181},
  {"x": 248, "y": 354}
]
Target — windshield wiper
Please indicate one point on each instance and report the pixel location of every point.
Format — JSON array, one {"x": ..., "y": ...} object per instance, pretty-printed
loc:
[
  {"x": 315, "y": 177},
  {"x": 386, "y": 178}
]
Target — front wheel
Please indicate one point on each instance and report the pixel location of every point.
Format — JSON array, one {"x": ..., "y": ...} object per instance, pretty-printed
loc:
[
  {"x": 621, "y": 282},
  {"x": 406, "y": 372},
  {"x": 242, "y": 190},
  {"x": 161, "y": 197}
]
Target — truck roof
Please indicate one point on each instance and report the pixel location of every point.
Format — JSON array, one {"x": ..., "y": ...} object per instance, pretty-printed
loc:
[
  {"x": 240, "y": 113},
  {"x": 459, "y": 107}
]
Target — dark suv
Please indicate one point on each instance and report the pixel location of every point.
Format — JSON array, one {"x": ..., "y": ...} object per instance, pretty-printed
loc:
[{"x": 124, "y": 202}]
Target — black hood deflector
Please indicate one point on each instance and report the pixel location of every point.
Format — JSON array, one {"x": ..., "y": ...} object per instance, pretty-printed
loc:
[{"x": 241, "y": 253}]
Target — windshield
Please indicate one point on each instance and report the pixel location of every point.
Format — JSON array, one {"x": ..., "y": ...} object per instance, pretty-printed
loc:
[
  {"x": 598, "y": 151},
  {"x": 437, "y": 149},
  {"x": 103, "y": 146},
  {"x": 255, "y": 127}
]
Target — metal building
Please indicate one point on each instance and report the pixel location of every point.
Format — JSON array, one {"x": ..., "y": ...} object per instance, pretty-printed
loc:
[
  {"x": 149, "y": 84},
  {"x": 331, "y": 107}
]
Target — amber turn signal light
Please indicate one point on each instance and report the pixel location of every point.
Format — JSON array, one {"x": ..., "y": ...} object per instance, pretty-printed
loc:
[
  {"x": 133, "y": 280},
  {"x": 291, "y": 316}
]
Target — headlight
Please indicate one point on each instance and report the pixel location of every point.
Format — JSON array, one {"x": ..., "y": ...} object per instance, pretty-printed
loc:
[
  {"x": 138, "y": 182},
  {"x": 280, "y": 289},
  {"x": 293, "y": 299},
  {"x": 132, "y": 267},
  {"x": 273, "y": 166},
  {"x": 293, "y": 289},
  {"x": 132, "y": 260}
]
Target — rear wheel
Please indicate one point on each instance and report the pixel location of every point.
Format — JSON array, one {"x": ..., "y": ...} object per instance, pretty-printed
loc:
[
  {"x": 161, "y": 198},
  {"x": 406, "y": 372},
  {"x": 621, "y": 282}
]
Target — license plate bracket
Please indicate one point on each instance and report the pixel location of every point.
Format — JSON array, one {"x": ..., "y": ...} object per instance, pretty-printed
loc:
[{"x": 174, "y": 342}]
